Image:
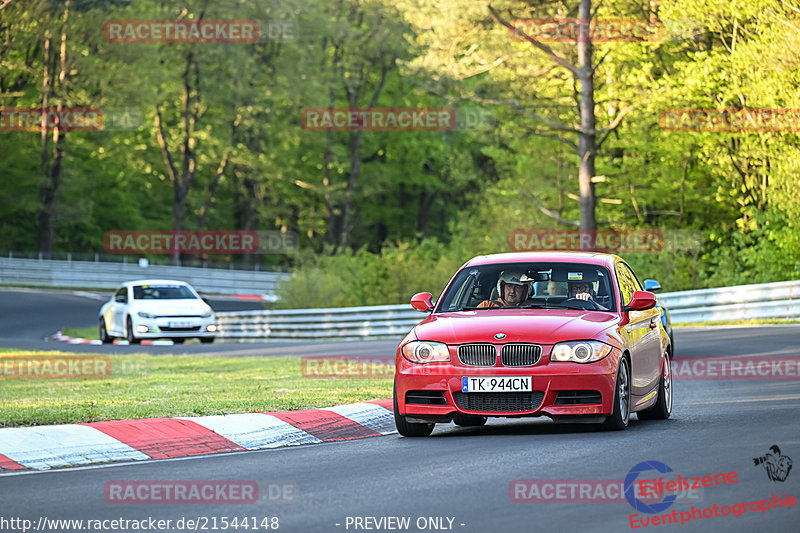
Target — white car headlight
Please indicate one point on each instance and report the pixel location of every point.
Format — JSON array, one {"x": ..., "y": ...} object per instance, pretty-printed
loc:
[
  {"x": 579, "y": 351},
  {"x": 426, "y": 352},
  {"x": 145, "y": 314}
]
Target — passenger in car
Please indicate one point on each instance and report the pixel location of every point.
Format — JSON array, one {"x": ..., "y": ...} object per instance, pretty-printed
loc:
[{"x": 581, "y": 290}]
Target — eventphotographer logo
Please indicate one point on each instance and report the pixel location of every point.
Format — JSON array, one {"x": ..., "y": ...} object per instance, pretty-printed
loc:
[{"x": 777, "y": 465}]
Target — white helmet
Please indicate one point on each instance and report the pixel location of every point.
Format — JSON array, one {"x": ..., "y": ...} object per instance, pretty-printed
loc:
[{"x": 511, "y": 276}]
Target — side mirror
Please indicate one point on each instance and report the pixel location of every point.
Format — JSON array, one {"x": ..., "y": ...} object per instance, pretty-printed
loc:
[
  {"x": 121, "y": 299},
  {"x": 422, "y": 301},
  {"x": 641, "y": 301},
  {"x": 652, "y": 285}
]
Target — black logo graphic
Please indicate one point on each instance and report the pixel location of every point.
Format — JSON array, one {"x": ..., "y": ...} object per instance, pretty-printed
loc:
[{"x": 777, "y": 466}]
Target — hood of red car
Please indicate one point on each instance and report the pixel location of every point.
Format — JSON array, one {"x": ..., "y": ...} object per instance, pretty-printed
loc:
[{"x": 541, "y": 326}]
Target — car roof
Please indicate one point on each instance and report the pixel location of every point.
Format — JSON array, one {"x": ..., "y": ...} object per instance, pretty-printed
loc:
[
  {"x": 156, "y": 282},
  {"x": 592, "y": 258}
]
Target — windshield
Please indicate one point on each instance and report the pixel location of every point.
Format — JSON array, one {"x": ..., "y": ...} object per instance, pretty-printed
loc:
[
  {"x": 540, "y": 285},
  {"x": 162, "y": 292}
]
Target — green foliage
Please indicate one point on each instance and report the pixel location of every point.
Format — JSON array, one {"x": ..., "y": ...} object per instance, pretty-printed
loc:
[
  {"x": 356, "y": 278},
  {"x": 424, "y": 202}
]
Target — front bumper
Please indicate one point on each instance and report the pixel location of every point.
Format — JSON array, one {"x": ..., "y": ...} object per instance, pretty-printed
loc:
[
  {"x": 174, "y": 327},
  {"x": 588, "y": 388}
]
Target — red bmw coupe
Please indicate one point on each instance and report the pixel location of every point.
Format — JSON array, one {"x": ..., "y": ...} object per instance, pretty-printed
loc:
[{"x": 568, "y": 335}]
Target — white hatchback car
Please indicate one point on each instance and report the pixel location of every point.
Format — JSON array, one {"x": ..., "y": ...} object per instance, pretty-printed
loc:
[{"x": 156, "y": 309}]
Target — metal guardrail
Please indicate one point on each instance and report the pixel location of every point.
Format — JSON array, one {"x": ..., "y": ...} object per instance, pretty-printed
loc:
[
  {"x": 740, "y": 302},
  {"x": 347, "y": 323},
  {"x": 100, "y": 275},
  {"x": 766, "y": 300}
]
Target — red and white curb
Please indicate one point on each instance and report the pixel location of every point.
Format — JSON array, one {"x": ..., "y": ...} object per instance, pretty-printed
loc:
[
  {"x": 44, "y": 447},
  {"x": 58, "y": 337},
  {"x": 271, "y": 298}
]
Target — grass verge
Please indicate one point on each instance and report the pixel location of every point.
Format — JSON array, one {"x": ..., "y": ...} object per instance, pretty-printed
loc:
[
  {"x": 144, "y": 386},
  {"x": 89, "y": 332}
]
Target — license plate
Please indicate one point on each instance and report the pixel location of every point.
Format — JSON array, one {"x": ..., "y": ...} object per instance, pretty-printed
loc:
[
  {"x": 180, "y": 324},
  {"x": 497, "y": 384}
]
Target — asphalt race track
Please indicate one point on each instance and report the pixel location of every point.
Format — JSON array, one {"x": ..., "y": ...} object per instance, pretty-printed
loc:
[
  {"x": 465, "y": 474},
  {"x": 28, "y": 316}
]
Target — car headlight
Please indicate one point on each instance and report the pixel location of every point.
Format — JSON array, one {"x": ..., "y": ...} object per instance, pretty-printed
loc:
[
  {"x": 144, "y": 314},
  {"x": 579, "y": 351},
  {"x": 426, "y": 352}
]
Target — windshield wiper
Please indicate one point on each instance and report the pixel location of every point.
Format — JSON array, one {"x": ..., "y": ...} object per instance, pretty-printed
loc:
[{"x": 549, "y": 306}]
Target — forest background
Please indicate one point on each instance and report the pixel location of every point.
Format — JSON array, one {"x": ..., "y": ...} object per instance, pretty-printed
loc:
[{"x": 208, "y": 136}]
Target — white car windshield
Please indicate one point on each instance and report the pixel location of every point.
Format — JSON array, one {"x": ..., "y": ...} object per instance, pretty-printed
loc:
[{"x": 162, "y": 292}]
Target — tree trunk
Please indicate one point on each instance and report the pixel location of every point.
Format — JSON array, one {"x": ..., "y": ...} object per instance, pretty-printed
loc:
[
  {"x": 355, "y": 171},
  {"x": 587, "y": 137},
  {"x": 355, "y": 155},
  {"x": 331, "y": 220},
  {"x": 51, "y": 162},
  {"x": 181, "y": 182}
]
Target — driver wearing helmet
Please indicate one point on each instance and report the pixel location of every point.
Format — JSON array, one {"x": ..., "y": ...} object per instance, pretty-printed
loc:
[
  {"x": 511, "y": 288},
  {"x": 582, "y": 290}
]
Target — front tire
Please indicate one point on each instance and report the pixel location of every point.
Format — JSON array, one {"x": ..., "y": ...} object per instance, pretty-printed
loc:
[
  {"x": 129, "y": 332},
  {"x": 206, "y": 340},
  {"x": 622, "y": 399},
  {"x": 662, "y": 409},
  {"x": 409, "y": 429},
  {"x": 105, "y": 338}
]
